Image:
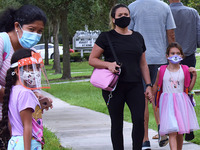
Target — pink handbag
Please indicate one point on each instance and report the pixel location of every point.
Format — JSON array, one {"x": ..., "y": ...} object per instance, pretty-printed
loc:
[{"x": 104, "y": 79}]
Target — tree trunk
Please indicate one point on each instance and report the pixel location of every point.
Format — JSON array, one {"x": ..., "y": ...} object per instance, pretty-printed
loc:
[
  {"x": 66, "y": 56},
  {"x": 56, "y": 55},
  {"x": 46, "y": 41}
]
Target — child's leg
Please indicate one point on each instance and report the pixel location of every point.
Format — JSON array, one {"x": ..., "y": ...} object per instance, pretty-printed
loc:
[
  {"x": 173, "y": 141},
  {"x": 156, "y": 113},
  {"x": 179, "y": 141},
  {"x": 146, "y": 122}
]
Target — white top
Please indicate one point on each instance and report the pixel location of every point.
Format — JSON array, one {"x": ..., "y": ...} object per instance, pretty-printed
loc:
[{"x": 173, "y": 82}]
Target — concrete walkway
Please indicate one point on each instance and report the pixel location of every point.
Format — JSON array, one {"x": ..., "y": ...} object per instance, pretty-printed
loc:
[{"x": 83, "y": 129}]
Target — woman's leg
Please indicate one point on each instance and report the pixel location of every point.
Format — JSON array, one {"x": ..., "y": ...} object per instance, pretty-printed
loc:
[
  {"x": 116, "y": 108},
  {"x": 179, "y": 141},
  {"x": 173, "y": 141},
  {"x": 136, "y": 102}
]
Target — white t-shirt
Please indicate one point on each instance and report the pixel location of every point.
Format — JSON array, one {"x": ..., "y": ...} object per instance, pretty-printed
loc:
[{"x": 173, "y": 82}]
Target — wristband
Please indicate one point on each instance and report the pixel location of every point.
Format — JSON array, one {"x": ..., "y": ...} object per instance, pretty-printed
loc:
[{"x": 150, "y": 84}]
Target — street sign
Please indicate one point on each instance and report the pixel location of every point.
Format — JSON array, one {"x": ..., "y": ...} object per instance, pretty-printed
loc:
[{"x": 84, "y": 40}]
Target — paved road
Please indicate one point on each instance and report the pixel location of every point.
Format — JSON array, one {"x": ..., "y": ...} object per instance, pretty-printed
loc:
[{"x": 83, "y": 129}]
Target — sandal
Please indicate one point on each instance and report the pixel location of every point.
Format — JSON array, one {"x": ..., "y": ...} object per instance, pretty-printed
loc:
[{"x": 155, "y": 136}]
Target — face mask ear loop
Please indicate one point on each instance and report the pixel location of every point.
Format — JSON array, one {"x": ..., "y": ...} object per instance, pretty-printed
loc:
[
  {"x": 18, "y": 33},
  {"x": 20, "y": 27}
]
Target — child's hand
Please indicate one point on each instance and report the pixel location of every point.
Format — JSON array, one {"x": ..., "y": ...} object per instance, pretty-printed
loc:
[{"x": 192, "y": 70}]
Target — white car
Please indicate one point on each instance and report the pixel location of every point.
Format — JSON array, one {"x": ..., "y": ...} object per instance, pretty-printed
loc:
[{"x": 40, "y": 48}]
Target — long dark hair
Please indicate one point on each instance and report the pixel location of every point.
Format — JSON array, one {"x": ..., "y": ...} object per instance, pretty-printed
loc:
[
  {"x": 26, "y": 14},
  {"x": 11, "y": 79}
]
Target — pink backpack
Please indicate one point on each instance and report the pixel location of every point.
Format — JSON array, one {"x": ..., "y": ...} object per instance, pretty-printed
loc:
[{"x": 160, "y": 81}]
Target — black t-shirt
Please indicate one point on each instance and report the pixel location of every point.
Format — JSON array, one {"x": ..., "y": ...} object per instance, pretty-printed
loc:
[{"x": 128, "y": 49}]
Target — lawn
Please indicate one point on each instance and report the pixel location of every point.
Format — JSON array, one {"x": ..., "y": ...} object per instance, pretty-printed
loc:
[
  {"x": 51, "y": 141},
  {"x": 78, "y": 69},
  {"x": 85, "y": 95}
]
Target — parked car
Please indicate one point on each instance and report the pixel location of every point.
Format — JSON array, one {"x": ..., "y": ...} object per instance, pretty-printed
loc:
[{"x": 40, "y": 48}]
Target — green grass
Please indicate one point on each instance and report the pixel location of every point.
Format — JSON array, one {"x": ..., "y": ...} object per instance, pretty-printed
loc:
[
  {"x": 85, "y": 95},
  {"x": 78, "y": 69},
  {"x": 198, "y": 50},
  {"x": 51, "y": 141}
]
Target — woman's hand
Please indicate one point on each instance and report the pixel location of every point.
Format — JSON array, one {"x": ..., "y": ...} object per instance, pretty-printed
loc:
[
  {"x": 148, "y": 94},
  {"x": 113, "y": 67},
  {"x": 45, "y": 102},
  {"x": 192, "y": 70}
]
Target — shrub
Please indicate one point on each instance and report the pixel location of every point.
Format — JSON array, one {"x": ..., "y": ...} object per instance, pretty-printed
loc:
[{"x": 76, "y": 57}]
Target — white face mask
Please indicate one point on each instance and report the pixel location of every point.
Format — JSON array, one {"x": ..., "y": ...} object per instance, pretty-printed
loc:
[
  {"x": 175, "y": 59},
  {"x": 31, "y": 77}
]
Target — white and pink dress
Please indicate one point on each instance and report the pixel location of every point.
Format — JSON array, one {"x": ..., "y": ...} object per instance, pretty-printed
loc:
[{"x": 177, "y": 113}]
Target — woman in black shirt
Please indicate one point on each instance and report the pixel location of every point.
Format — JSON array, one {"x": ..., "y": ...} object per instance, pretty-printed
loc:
[{"x": 130, "y": 49}]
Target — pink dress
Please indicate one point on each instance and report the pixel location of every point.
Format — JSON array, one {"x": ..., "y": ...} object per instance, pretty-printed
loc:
[{"x": 177, "y": 113}]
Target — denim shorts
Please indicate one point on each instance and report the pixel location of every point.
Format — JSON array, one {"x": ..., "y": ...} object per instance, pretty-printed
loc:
[{"x": 17, "y": 143}]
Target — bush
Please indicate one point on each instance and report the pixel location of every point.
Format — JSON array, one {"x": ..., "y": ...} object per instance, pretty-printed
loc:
[{"x": 76, "y": 57}]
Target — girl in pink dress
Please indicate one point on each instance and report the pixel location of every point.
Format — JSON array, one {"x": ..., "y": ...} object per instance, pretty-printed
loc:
[{"x": 177, "y": 115}]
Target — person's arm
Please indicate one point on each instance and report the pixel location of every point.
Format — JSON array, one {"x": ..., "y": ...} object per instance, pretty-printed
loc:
[
  {"x": 97, "y": 63},
  {"x": 155, "y": 86},
  {"x": 26, "y": 117},
  {"x": 1, "y": 93},
  {"x": 192, "y": 70},
  {"x": 146, "y": 76},
  {"x": 198, "y": 30},
  {"x": 170, "y": 36}
]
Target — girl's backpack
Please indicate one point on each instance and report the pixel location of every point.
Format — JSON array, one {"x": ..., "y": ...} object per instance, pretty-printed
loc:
[{"x": 160, "y": 81}]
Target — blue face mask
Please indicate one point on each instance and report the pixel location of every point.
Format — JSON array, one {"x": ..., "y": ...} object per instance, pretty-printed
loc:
[{"x": 29, "y": 39}]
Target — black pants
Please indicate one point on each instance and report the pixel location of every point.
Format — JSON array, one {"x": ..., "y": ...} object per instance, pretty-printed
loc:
[
  {"x": 190, "y": 61},
  {"x": 133, "y": 95}
]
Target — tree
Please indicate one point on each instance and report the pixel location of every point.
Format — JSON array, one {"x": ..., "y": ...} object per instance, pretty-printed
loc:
[
  {"x": 51, "y": 8},
  {"x": 8, "y": 3},
  {"x": 65, "y": 38},
  {"x": 194, "y": 4}
]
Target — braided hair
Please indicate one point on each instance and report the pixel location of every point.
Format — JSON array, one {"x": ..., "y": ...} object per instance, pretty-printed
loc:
[{"x": 11, "y": 79}]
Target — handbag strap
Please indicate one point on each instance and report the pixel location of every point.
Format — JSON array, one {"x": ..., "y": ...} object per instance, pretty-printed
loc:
[{"x": 112, "y": 49}]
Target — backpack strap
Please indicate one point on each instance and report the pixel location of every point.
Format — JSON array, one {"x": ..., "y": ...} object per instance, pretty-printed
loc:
[
  {"x": 7, "y": 44},
  {"x": 187, "y": 78},
  {"x": 160, "y": 81}
]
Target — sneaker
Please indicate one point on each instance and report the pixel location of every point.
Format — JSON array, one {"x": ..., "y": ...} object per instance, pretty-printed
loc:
[
  {"x": 162, "y": 140},
  {"x": 189, "y": 136},
  {"x": 146, "y": 145}
]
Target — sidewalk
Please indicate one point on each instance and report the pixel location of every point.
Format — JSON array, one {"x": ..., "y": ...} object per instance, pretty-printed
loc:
[{"x": 83, "y": 129}]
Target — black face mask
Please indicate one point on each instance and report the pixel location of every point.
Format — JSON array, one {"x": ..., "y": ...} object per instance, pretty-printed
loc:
[{"x": 122, "y": 22}]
